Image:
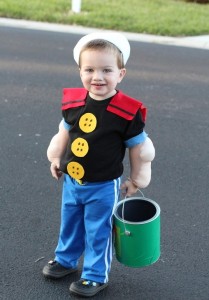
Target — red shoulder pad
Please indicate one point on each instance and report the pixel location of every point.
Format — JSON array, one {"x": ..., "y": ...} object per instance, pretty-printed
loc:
[
  {"x": 126, "y": 107},
  {"x": 73, "y": 97}
]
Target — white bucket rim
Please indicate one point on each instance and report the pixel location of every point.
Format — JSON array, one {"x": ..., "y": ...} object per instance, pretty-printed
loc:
[{"x": 157, "y": 214}]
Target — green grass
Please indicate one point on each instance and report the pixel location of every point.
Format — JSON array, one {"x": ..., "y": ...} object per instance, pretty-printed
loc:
[{"x": 161, "y": 17}]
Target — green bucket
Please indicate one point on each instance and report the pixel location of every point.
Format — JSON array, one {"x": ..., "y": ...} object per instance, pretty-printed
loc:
[{"x": 137, "y": 231}]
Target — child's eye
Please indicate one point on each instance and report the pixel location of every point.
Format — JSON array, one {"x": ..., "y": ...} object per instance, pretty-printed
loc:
[
  {"x": 89, "y": 70},
  {"x": 107, "y": 70}
]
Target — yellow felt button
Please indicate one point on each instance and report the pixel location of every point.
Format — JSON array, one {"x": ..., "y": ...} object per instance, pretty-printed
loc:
[
  {"x": 80, "y": 147},
  {"x": 75, "y": 170},
  {"x": 88, "y": 122}
]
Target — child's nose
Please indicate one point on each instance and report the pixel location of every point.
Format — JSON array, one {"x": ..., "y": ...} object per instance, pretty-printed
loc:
[{"x": 97, "y": 75}]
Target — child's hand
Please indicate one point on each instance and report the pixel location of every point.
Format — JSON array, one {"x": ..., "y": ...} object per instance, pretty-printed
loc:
[
  {"x": 129, "y": 188},
  {"x": 56, "y": 173}
]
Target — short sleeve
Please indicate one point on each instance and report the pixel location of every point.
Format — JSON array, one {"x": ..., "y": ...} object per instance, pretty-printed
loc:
[
  {"x": 66, "y": 125},
  {"x": 134, "y": 127},
  {"x": 138, "y": 139}
]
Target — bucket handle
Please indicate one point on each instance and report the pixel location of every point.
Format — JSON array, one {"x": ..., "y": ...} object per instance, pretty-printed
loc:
[
  {"x": 127, "y": 232},
  {"x": 141, "y": 193}
]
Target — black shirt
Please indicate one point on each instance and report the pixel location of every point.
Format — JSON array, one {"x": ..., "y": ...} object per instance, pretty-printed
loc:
[{"x": 96, "y": 148}]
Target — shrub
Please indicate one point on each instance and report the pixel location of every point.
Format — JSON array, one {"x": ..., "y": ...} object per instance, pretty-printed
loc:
[{"x": 198, "y": 1}]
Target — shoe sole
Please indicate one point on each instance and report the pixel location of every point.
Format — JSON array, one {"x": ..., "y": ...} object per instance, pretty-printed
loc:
[
  {"x": 53, "y": 275},
  {"x": 78, "y": 292}
]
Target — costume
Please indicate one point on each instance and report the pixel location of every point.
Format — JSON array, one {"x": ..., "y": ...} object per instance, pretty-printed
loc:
[{"x": 99, "y": 133}]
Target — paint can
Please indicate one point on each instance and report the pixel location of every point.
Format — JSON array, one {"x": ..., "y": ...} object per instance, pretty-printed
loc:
[{"x": 137, "y": 231}]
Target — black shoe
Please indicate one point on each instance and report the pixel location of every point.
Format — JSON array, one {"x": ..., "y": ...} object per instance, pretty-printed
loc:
[
  {"x": 54, "y": 270},
  {"x": 86, "y": 288}
]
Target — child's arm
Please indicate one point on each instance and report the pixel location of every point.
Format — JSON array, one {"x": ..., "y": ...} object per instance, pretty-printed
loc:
[
  {"x": 140, "y": 157},
  {"x": 56, "y": 149}
]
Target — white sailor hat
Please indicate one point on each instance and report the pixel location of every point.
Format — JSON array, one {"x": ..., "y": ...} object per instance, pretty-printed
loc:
[{"x": 119, "y": 40}]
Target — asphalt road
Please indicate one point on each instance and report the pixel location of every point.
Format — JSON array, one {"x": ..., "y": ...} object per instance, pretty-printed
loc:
[{"x": 174, "y": 83}]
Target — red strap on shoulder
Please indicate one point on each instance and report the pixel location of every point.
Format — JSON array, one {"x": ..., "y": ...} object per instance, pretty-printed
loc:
[
  {"x": 73, "y": 97},
  {"x": 126, "y": 107}
]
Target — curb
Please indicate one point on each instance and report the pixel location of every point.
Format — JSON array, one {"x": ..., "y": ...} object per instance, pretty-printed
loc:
[{"x": 200, "y": 42}]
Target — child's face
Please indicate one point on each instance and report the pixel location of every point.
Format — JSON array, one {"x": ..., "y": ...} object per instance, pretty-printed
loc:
[{"x": 100, "y": 73}]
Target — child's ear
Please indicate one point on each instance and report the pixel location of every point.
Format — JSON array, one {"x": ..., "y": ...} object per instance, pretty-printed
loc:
[
  {"x": 80, "y": 72},
  {"x": 122, "y": 74}
]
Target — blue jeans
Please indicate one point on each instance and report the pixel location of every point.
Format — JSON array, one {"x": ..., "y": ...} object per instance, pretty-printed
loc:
[{"x": 86, "y": 226}]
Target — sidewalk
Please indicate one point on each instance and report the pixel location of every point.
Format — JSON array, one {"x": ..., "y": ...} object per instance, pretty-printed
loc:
[{"x": 201, "y": 42}]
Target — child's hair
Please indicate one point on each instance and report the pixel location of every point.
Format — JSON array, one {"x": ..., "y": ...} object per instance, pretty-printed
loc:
[{"x": 104, "y": 45}]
